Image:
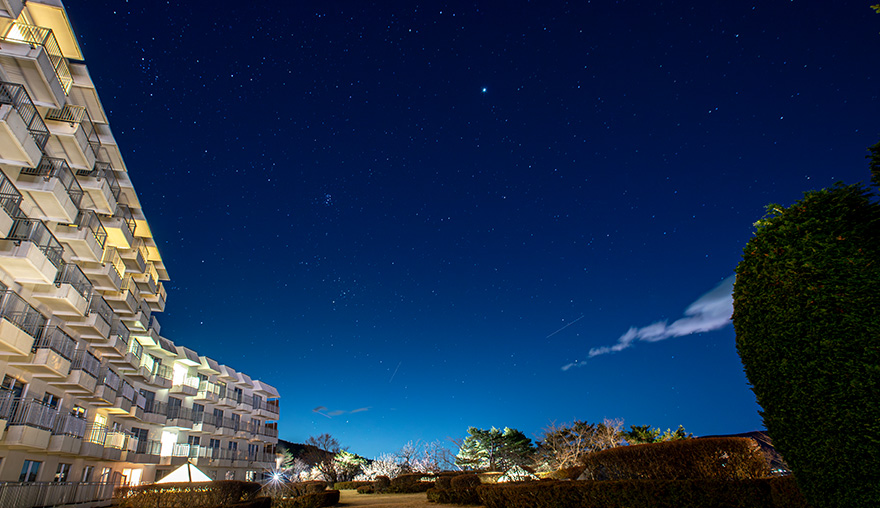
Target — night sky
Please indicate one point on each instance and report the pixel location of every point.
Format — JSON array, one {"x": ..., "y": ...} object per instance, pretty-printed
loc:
[{"x": 424, "y": 217}]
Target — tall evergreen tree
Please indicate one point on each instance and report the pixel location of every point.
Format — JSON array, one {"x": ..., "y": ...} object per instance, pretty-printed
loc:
[{"x": 494, "y": 449}]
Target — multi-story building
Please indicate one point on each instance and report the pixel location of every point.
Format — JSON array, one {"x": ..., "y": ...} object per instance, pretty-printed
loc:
[{"x": 91, "y": 390}]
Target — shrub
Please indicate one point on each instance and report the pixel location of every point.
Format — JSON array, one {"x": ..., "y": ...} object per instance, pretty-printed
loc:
[
  {"x": 786, "y": 494},
  {"x": 185, "y": 495},
  {"x": 808, "y": 333},
  {"x": 465, "y": 481},
  {"x": 443, "y": 482},
  {"x": 381, "y": 483},
  {"x": 350, "y": 485},
  {"x": 702, "y": 493},
  {"x": 257, "y": 502},
  {"x": 721, "y": 457},
  {"x": 366, "y": 489},
  {"x": 568, "y": 473}
]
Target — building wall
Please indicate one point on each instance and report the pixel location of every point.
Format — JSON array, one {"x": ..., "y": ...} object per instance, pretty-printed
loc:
[{"x": 91, "y": 390}]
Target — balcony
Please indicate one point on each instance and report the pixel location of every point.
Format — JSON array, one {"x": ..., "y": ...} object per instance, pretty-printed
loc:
[
  {"x": 83, "y": 378},
  {"x": 145, "y": 451},
  {"x": 148, "y": 282},
  {"x": 180, "y": 417},
  {"x": 30, "y": 425},
  {"x": 185, "y": 384},
  {"x": 50, "y": 190},
  {"x": 66, "y": 435},
  {"x": 13, "y": 8},
  {"x": 71, "y": 293},
  {"x": 30, "y": 253},
  {"x": 53, "y": 353},
  {"x": 74, "y": 136},
  {"x": 114, "y": 444},
  {"x": 125, "y": 400},
  {"x": 208, "y": 392},
  {"x": 116, "y": 346},
  {"x": 107, "y": 387},
  {"x": 23, "y": 135},
  {"x": 84, "y": 238},
  {"x": 131, "y": 362},
  {"x": 101, "y": 187},
  {"x": 227, "y": 427},
  {"x": 204, "y": 423},
  {"x": 161, "y": 376},
  {"x": 268, "y": 409},
  {"x": 107, "y": 274},
  {"x": 95, "y": 326},
  {"x": 120, "y": 227},
  {"x": 34, "y": 58},
  {"x": 125, "y": 301},
  {"x": 135, "y": 258},
  {"x": 20, "y": 325},
  {"x": 10, "y": 204},
  {"x": 156, "y": 412}
]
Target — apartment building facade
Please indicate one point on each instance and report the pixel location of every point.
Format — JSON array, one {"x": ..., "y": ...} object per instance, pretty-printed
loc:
[{"x": 91, "y": 391}]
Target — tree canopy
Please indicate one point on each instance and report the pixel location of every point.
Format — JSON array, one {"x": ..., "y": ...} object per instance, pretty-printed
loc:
[{"x": 494, "y": 449}]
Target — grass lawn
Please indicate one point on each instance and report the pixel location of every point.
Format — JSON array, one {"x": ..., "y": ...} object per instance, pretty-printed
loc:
[{"x": 352, "y": 498}]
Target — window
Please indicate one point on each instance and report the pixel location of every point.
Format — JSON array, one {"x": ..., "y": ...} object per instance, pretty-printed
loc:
[
  {"x": 62, "y": 473},
  {"x": 78, "y": 412},
  {"x": 253, "y": 449},
  {"x": 51, "y": 400},
  {"x": 105, "y": 474},
  {"x": 218, "y": 417},
  {"x": 87, "y": 473},
  {"x": 233, "y": 446},
  {"x": 250, "y": 476},
  {"x": 236, "y": 394},
  {"x": 174, "y": 405},
  {"x": 29, "y": 471},
  {"x": 258, "y": 401},
  {"x": 214, "y": 443},
  {"x": 236, "y": 421},
  {"x": 141, "y": 436}
]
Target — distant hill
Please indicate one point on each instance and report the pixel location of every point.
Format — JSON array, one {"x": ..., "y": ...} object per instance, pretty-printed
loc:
[{"x": 298, "y": 450}]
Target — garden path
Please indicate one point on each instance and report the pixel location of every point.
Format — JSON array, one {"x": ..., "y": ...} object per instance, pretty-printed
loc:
[{"x": 350, "y": 498}]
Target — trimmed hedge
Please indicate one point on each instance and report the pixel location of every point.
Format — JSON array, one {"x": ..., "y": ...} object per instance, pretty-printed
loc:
[
  {"x": 808, "y": 334},
  {"x": 185, "y": 495},
  {"x": 350, "y": 485},
  {"x": 704, "y": 493},
  {"x": 366, "y": 489},
  {"x": 296, "y": 489},
  {"x": 720, "y": 457},
  {"x": 409, "y": 483},
  {"x": 257, "y": 502}
]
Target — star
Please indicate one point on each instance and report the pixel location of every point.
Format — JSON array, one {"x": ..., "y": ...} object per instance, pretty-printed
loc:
[{"x": 484, "y": 90}]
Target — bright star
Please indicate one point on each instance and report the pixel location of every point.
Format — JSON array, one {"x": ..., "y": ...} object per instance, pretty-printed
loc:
[{"x": 485, "y": 89}]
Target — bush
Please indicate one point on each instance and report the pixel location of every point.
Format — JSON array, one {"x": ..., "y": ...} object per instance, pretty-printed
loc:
[
  {"x": 409, "y": 483},
  {"x": 443, "y": 482},
  {"x": 568, "y": 473},
  {"x": 808, "y": 334},
  {"x": 257, "y": 502},
  {"x": 185, "y": 495},
  {"x": 366, "y": 489},
  {"x": 702, "y": 493},
  {"x": 786, "y": 494},
  {"x": 465, "y": 481},
  {"x": 381, "y": 483},
  {"x": 350, "y": 485},
  {"x": 721, "y": 457}
]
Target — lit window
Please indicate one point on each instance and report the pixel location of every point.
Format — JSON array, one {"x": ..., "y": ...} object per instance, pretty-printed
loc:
[
  {"x": 29, "y": 471},
  {"x": 62, "y": 473}
]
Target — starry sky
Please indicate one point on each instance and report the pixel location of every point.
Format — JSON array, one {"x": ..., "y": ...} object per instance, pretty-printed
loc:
[{"x": 421, "y": 217}]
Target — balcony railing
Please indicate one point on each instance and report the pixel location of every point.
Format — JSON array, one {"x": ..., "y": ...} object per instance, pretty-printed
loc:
[
  {"x": 74, "y": 114},
  {"x": 28, "y": 494},
  {"x": 70, "y": 425},
  {"x": 136, "y": 349},
  {"x": 123, "y": 212},
  {"x": 18, "y": 312},
  {"x": 87, "y": 362},
  {"x": 57, "y": 340},
  {"x": 111, "y": 257},
  {"x": 33, "y": 230},
  {"x": 7, "y": 403},
  {"x": 180, "y": 412},
  {"x": 128, "y": 391},
  {"x": 73, "y": 275},
  {"x": 53, "y": 167},
  {"x": 122, "y": 331},
  {"x": 89, "y": 219},
  {"x": 105, "y": 171},
  {"x": 99, "y": 306},
  {"x": 109, "y": 378},
  {"x": 207, "y": 387},
  {"x": 148, "y": 446},
  {"x": 10, "y": 198},
  {"x": 33, "y": 413},
  {"x": 16, "y": 96},
  {"x": 40, "y": 36}
]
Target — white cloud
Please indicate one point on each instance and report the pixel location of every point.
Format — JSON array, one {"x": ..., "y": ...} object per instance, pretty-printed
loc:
[{"x": 710, "y": 312}]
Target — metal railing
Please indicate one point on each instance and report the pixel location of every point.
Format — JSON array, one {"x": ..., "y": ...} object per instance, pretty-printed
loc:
[
  {"x": 207, "y": 387},
  {"x": 20, "y": 313},
  {"x": 34, "y": 231},
  {"x": 105, "y": 171},
  {"x": 57, "y": 340},
  {"x": 161, "y": 371},
  {"x": 128, "y": 391},
  {"x": 16, "y": 96},
  {"x": 111, "y": 257},
  {"x": 136, "y": 349},
  {"x": 10, "y": 198},
  {"x": 29, "y": 494},
  {"x": 89, "y": 219},
  {"x": 85, "y": 361},
  {"x": 70, "y": 425},
  {"x": 99, "y": 306},
  {"x": 180, "y": 412},
  {"x": 53, "y": 167},
  {"x": 122, "y": 332},
  {"x": 73, "y": 275},
  {"x": 40, "y": 36},
  {"x": 109, "y": 378},
  {"x": 7, "y": 401},
  {"x": 148, "y": 446},
  {"x": 124, "y": 213},
  {"x": 33, "y": 413}
]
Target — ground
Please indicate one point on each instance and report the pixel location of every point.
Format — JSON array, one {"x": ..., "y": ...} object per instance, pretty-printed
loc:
[{"x": 352, "y": 498}]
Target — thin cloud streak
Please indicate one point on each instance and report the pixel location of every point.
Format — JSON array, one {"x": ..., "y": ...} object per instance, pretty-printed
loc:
[{"x": 710, "y": 312}]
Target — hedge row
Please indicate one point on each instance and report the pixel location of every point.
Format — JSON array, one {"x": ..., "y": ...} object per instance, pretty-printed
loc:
[
  {"x": 185, "y": 495},
  {"x": 350, "y": 485},
  {"x": 297, "y": 489},
  {"x": 756, "y": 493},
  {"x": 737, "y": 458}
]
